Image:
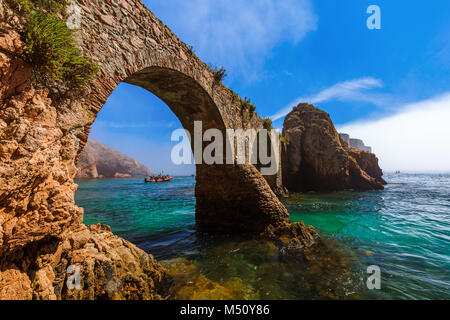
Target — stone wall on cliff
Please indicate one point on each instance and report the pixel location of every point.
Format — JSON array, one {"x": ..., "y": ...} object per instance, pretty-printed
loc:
[
  {"x": 355, "y": 143},
  {"x": 100, "y": 161},
  {"x": 317, "y": 159}
]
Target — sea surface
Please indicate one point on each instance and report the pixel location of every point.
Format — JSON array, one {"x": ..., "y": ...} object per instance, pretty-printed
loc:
[{"x": 403, "y": 230}]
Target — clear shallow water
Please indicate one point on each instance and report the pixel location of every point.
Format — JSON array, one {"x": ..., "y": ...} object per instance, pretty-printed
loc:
[{"x": 405, "y": 230}]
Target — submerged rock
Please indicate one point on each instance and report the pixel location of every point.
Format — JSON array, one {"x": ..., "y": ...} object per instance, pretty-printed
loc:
[
  {"x": 189, "y": 283},
  {"x": 317, "y": 159},
  {"x": 256, "y": 269}
]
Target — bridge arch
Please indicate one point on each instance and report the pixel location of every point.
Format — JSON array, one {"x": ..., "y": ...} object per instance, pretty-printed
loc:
[{"x": 230, "y": 198}]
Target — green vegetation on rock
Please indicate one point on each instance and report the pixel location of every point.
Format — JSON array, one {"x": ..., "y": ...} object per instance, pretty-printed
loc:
[
  {"x": 267, "y": 124},
  {"x": 51, "y": 47},
  {"x": 248, "y": 110},
  {"x": 218, "y": 73},
  {"x": 284, "y": 140}
]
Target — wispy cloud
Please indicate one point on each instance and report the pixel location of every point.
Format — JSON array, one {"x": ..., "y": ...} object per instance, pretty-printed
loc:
[
  {"x": 414, "y": 139},
  {"x": 441, "y": 48},
  {"x": 238, "y": 34},
  {"x": 353, "y": 90}
]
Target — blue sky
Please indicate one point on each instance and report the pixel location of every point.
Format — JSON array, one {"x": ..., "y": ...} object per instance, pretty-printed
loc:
[{"x": 282, "y": 52}]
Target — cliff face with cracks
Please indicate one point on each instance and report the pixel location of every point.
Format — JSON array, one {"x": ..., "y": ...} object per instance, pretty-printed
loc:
[
  {"x": 317, "y": 159},
  {"x": 44, "y": 126},
  {"x": 41, "y": 230}
]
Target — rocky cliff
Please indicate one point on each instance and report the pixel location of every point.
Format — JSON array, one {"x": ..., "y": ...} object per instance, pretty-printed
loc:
[
  {"x": 41, "y": 229},
  {"x": 317, "y": 159},
  {"x": 99, "y": 161}
]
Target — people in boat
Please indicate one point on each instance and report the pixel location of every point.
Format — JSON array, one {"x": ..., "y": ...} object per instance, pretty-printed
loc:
[{"x": 158, "y": 178}]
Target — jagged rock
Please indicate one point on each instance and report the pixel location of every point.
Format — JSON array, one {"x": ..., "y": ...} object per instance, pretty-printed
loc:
[
  {"x": 15, "y": 74},
  {"x": 99, "y": 161},
  {"x": 295, "y": 235},
  {"x": 109, "y": 268},
  {"x": 368, "y": 162},
  {"x": 316, "y": 159}
]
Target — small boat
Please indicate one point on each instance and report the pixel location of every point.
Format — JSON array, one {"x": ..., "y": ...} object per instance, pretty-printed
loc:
[{"x": 158, "y": 179}]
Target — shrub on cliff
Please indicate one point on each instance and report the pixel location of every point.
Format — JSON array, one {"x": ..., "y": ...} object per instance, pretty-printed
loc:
[
  {"x": 267, "y": 124},
  {"x": 248, "y": 109},
  {"x": 218, "y": 73},
  {"x": 52, "y": 50},
  {"x": 284, "y": 140}
]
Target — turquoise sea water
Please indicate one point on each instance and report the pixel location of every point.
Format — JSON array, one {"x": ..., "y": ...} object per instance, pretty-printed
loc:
[{"x": 405, "y": 230}]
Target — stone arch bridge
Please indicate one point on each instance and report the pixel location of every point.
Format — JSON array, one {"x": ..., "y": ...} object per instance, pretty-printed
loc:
[{"x": 44, "y": 128}]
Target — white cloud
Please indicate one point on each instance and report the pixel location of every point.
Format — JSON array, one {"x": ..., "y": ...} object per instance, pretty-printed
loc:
[
  {"x": 416, "y": 139},
  {"x": 353, "y": 90},
  {"x": 237, "y": 34}
]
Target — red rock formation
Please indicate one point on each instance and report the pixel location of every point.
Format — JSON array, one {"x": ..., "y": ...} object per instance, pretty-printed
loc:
[
  {"x": 41, "y": 230},
  {"x": 15, "y": 74},
  {"x": 317, "y": 160},
  {"x": 110, "y": 267},
  {"x": 368, "y": 163}
]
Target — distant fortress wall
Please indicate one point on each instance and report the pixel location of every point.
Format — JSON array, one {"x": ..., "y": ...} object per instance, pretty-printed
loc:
[
  {"x": 355, "y": 143},
  {"x": 345, "y": 137}
]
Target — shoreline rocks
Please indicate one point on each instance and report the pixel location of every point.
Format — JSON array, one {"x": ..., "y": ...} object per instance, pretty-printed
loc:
[{"x": 108, "y": 268}]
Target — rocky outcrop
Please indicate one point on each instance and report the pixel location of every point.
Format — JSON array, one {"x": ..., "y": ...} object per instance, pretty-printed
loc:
[
  {"x": 41, "y": 229},
  {"x": 316, "y": 159},
  {"x": 107, "y": 267},
  {"x": 368, "y": 163},
  {"x": 99, "y": 161}
]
